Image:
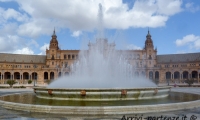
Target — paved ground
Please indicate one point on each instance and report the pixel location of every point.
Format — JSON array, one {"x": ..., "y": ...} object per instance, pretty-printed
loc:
[{"x": 193, "y": 114}]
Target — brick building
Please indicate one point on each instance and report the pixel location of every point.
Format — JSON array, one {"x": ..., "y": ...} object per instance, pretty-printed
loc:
[{"x": 169, "y": 68}]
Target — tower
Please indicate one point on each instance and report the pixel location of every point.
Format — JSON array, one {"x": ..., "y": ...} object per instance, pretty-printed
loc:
[
  {"x": 53, "y": 46},
  {"x": 148, "y": 42},
  {"x": 54, "y": 42},
  {"x": 150, "y": 51}
]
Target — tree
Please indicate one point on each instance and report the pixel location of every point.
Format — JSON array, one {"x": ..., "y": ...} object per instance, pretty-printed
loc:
[
  {"x": 190, "y": 81},
  {"x": 29, "y": 81},
  {"x": 11, "y": 82},
  {"x": 49, "y": 81}
]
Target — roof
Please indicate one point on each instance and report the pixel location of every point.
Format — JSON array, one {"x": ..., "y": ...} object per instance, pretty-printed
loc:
[
  {"x": 5, "y": 57},
  {"x": 189, "y": 57}
]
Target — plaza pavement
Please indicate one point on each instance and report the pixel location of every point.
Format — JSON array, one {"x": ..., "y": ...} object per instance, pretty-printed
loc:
[{"x": 192, "y": 114}]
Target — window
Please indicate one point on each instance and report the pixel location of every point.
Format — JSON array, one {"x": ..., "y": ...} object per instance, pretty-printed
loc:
[
  {"x": 65, "y": 57},
  {"x": 166, "y": 66},
  {"x": 174, "y": 65},
  {"x": 52, "y": 57},
  {"x": 150, "y": 57},
  {"x": 69, "y": 56},
  {"x": 66, "y": 64},
  {"x": 18, "y": 76},
  {"x": 138, "y": 56},
  {"x": 35, "y": 66},
  {"x": 52, "y": 63}
]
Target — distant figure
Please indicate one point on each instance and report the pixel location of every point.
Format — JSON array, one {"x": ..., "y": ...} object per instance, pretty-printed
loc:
[{"x": 175, "y": 85}]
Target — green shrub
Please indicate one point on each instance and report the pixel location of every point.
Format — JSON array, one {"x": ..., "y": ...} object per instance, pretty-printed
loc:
[
  {"x": 4, "y": 87},
  {"x": 190, "y": 81},
  {"x": 19, "y": 87},
  {"x": 22, "y": 87},
  {"x": 11, "y": 82},
  {"x": 29, "y": 81}
]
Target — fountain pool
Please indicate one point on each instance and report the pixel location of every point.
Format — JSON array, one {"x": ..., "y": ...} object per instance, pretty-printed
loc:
[{"x": 29, "y": 102}]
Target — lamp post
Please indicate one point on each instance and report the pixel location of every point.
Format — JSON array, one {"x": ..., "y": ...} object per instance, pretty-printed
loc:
[
  {"x": 56, "y": 70},
  {"x": 34, "y": 75},
  {"x": 168, "y": 82}
]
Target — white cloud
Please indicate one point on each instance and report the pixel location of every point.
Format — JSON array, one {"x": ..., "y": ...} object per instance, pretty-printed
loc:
[
  {"x": 169, "y": 7},
  {"x": 8, "y": 29},
  {"x": 82, "y": 15},
  {"x": 197, "y": 43},
  {"x": 10, "y": 14},
  {"x": 133, "y": 47},
  {"x": 186, "y": 39},
  {"x": 39, "y": 17},
  {"x": 36, "y": 27},
  {"x": 8, "y": 43},
  {"x": 33, "y": 42},
  {"x": 191, "y": 41},
  {"x": 25, "y": 50},
  {"x": 190, "y": 7},
  {"x": 76, "y": 33},
  {"x": 43, "y": 49}
]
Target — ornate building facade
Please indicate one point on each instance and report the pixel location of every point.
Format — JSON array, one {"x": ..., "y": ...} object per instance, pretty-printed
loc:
[{"x": 171, "y": 68}]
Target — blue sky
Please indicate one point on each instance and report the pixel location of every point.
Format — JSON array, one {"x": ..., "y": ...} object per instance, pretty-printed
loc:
[{"x": 26, "y": 26}]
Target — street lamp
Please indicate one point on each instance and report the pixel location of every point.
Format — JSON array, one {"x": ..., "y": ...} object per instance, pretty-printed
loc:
[
  {"x": 167, "y": 77},
  {"x": 57, "y": 66},
  {"x": 168, "y": 82},
  {"x": 34, "y": 75}
]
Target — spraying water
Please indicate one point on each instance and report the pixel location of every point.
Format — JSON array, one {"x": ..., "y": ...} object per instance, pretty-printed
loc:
[
  {"x": 100, "y": 22},
  {"x": 101, "y": 67}
]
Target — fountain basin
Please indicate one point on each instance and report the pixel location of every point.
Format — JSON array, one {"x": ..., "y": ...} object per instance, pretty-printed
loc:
[
  {"x": 27, "y": 103},
  {"x": 30, "y": 103},
  {"x": 115, "y": 94}
]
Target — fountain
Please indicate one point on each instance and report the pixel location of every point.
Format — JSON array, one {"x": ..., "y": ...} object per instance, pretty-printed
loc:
[
  {"x": 102, "y": 74},
  {"x": 101, "y": 82}
]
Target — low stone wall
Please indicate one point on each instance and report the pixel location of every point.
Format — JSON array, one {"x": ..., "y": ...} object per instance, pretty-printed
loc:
[
  {"x": 115, "y": 94},
  {"x": 116, "y": 110}
]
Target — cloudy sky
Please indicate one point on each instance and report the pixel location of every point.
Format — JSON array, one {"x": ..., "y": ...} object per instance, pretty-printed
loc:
[{"x": 26, "y": 26}]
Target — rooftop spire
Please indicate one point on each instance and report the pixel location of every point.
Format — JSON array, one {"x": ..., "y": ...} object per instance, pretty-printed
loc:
[
  {"x": 148, "y": 35},
  {"x": 54, "y": 32},
  {"x": 149, "y": 41}
]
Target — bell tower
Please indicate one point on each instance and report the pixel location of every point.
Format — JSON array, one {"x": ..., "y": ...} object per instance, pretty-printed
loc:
[
  {"x": 149, "y": 42},
  {"x": 54, "y": 42},
  {"x": 150, "y": 51},
  {"x": 53, "y": 47}
]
